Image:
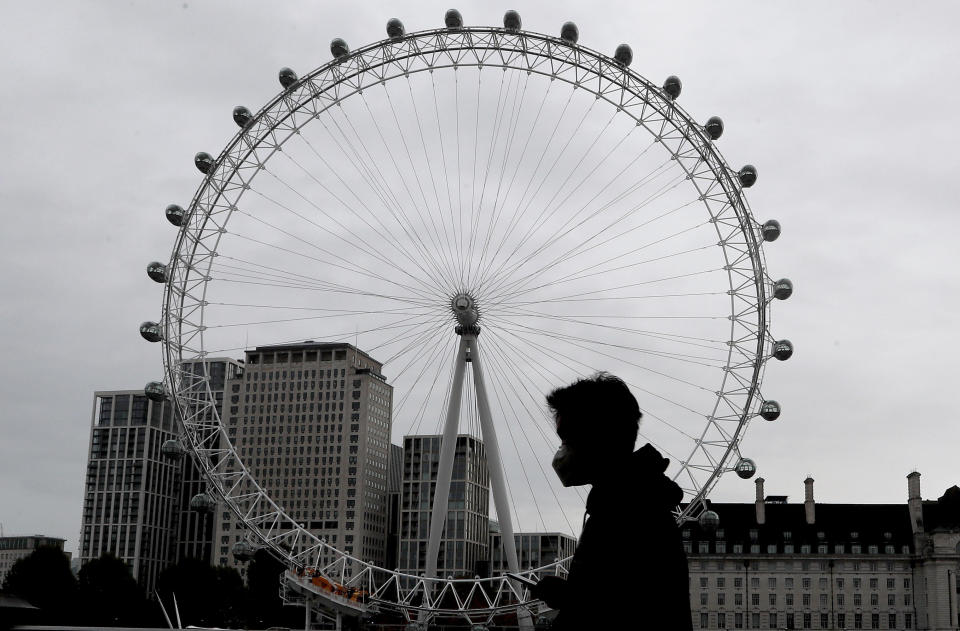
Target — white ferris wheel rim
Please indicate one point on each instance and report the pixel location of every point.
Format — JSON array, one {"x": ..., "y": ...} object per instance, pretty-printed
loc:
[{"x": 429, "y": 50}]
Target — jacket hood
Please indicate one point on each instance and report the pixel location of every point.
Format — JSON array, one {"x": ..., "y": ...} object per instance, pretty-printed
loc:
[{"x": 640, "y": 478}]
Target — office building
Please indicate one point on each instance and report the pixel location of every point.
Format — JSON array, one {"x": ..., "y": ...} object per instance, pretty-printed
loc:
[
  {"x": 130, "y": 498},
  {"x": 777, "y": 565},
  {"x": 12, "y": 549},
  {"x": 464, "y": 542},
  {"x": 312, "y": 421},
  {"x": 534, "y": 549},
  {"x": 394, "y": 492}
]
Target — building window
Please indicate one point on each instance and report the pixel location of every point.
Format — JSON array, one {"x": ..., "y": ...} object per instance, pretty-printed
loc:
[
  {"x": 737, "y": 582},
  {"x": 772, "y": 598},
  {"x": 907, "y": 621},
  {"x": 722, "y": 620},
  {"x": 703, "y": 599},
  {"x": 738, "y": 620},
  {"x": 703, "y": 582},
  {"x": 721, "y": 599},
  {"x": 755, "y": 599},
  {"x": 806, "y": 582},
  {"x": 704, "y": 620},
  {"x": 721, "y": 583},
  {"x": 721, "y": 547},
  {"x": 858, "y": 621},
  {"x": 857, "y": 600},
  {"x": 771, "y": 583},
  {"x": 789, "y": 600},
  {"x": 703, "y": 547},
  {"x": 806, "y": 600},
  {"x": 840, "y": 599},
  {"x": 738, "y": 599},
  {"x": 825, "y": 621},
  {"x": 773, "y": 620},
  {"x": 841, "y": 621}
]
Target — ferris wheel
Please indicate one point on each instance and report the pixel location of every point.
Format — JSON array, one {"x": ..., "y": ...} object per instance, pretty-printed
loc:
[{"x": 491, "y": 213}]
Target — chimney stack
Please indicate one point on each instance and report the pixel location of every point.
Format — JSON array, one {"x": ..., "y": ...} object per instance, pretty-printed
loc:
[
  {"x": 914, "y": 502},
  {"x": 808, "y": 504},
  {"x": 761, "y": 509}
]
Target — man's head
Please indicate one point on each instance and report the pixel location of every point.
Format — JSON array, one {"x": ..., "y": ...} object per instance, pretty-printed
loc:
[{"x": 596, "y": 418}]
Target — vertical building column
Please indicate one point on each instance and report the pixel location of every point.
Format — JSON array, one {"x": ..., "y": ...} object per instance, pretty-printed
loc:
[{"x": 761, "y": 509}]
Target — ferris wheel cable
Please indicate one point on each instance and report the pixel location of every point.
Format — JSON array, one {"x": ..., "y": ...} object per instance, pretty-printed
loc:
[
  {"x": 515, "y": 111},
  {"x": 543, "y": 216},
  {"x": 532, "y": 128},
  {"x": 516, "y": 214},
  {"x": 505, "y": 367},
  {"x": 435, "y": 324},
  {"x": 559, "y": 154},
  {"x": 441, "y": 268},
  {"x": 666, "y": 354},
  {"x": 381, "y": 189},
  {"x": 305, "y": 280},
  {"x": 383, "y": 238},
  {"x": 491, "y": 150},
  {"x": 421, "y": 337},
  {"x": 570, "y": 340},
  {"x": 552, "y": 353},
  {"x": 436, "y": 233},
  {"x": 401, "y": 310},
  {"x": 434, "y": 360},
  {"x": 519, "y": 284},
  {"x": 459, "y": 231},
  {"x": 430, "y": 172},
  {"x": 446, "y": 171},
  {"x": 497, "y": 389},
  {"x": 373, "y": 253},
  {"x": 368, "y": 274},
  {"x": 306, "y": 287},
  {"x": 450, "y": 346}
]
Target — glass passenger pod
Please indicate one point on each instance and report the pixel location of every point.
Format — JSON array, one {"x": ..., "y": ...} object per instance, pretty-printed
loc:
[
  {"x": 569, "y": 32},
  {"x": 770, "y": 410},
  {"x": 202, "y": 503},
  {"x": 157, "y": 271},
  {"x": 155, "y": 391},
  {"x": 672, "y": 87},
  {"x": 623, "y": 55},
  {"x": 782, "y": 349},
  {"x": 150, "y": 331},
  {"x": 714, "y": 127},
  {"x": 746, "y": 468}
]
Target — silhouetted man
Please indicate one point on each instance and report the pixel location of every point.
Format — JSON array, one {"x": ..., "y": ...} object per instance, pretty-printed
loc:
[{"x": 629, "y": 570}]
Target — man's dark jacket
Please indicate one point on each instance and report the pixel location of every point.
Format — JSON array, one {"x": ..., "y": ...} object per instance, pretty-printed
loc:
[{"x": 629, "y": 570}]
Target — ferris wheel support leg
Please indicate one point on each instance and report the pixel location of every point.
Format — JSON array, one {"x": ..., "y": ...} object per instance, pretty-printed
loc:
[
  {"x": 492, "y": 450},
  {"x": 448, "y": 449}
]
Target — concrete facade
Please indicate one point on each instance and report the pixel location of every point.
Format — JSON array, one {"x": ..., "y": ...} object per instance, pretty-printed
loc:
[{"x": 14, "y": 548}]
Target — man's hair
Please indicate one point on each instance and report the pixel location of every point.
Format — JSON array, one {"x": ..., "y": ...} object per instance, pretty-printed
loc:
[{"x": 600, "y": 409}]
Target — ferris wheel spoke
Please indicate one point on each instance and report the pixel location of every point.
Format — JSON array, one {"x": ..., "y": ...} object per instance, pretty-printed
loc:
[
  {"x": 415, "y": 172},
  {"x": 503, "y": 98},
  {"x": 551, "y": 351},
  {"x": 527, "y": 314},
  {"x": 506, "y": 269},
  {"x": 452, "y": 255},
  {"x": 354, "y": 268},
  {"x": 435, "y": 251},
  {"x": 572, "y": 341},
  {"x": 374, "y": 178},
  {"x": 516, "y": 285},
  {"x": 457, "y": 252},
  {"x": 516, "y": 110},
  {"x": 560, "y": 153},
  {"x": 438, "y": 362},
  {"x": 368, "y": 248},
  {"x": 496, "y": 269},
  {"x": 500, "y": 396}
]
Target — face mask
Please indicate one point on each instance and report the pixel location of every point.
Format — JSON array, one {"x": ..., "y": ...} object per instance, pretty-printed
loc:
[{"x": 570, "y": 467}]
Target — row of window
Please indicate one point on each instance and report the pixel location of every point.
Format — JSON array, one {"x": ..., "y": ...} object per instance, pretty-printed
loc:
[
  {"x": 776, "y": 620},
  {"x": 806, "y": 582},
  {"x": 720, "y": 547},
  {"x": 721, "y": 600}
]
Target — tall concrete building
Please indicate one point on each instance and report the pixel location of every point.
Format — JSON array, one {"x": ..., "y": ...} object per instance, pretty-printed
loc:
[
  {"x": 777, "y": 565},
  {"x": 312, "y": 422},
  {"x": 394, "y": 492},
  {"x": 12, "y": 549},
  {"x": 465, "y": 542},
  {"x": 130, "y": 500}
]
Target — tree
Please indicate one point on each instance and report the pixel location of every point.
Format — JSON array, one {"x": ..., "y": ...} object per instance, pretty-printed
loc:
[
  {"x": 109, "y": 594},
  {"x": 43, "y": 578},
  {"x": 263, "y": 582}
]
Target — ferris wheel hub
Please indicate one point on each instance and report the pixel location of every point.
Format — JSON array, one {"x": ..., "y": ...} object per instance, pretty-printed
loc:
[{"x": 464, "y": 308}]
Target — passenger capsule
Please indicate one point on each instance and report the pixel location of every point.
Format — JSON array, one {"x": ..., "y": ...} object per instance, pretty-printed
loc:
[
  {"x": 714, "y": 127},
  {"x": 243, "y": 551},
  {"x": 782, "y": 349},
  {"x": 782, "y": 289},
  {"x": 770, "y": 410},
  {"x": 150, "y": 331},
  {"x": 171, "y": 449},
  {"x": 746, "y": 468},
  {"x": 569, "y": 32},
  {"x": 453, "y": 19},
  {"x": 770, "y": 230},
  {"x": 157, "y": 271},
  {"x": 202, "y": 503},
  {"x": 339, "y": 48},
  {"x": 394, "y": 28},
  {"x": 204, "y": 162},
  {"x": 155, "y": 391},
  {"x": 672, "y": 86},
  {"x": 511, "y": 20},
  {"x": 242, "y": 116},
  {"x": 623, "y": 54},
  {"x": 748, "y": 175},
  {"x": 176, "y": 215},
  {"x": 287, "y": 77},
  {"x": 709, "y": 520}
]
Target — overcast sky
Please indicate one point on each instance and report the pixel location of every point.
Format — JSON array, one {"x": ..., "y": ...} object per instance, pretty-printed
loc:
[{"x": 849, "y": 111}]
